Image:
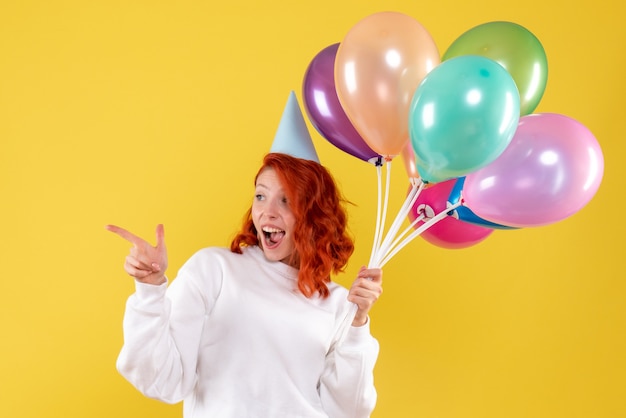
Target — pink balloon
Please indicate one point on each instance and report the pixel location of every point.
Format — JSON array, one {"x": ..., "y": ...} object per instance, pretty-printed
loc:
[
  {"x": 550, "y": 170},
  {"x": 449, "y": 232}
]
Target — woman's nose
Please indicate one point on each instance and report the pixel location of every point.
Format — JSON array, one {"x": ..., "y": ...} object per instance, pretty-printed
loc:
[{"x": 271, "y": 209}]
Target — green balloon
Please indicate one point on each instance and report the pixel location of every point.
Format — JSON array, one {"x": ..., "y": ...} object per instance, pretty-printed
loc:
[
  {"x": 462, "y": 117},
  {"x": 513, "y": 47}
]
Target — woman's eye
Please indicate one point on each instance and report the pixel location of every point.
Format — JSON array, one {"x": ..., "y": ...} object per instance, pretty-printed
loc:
[{"x": 258, "y": 196}]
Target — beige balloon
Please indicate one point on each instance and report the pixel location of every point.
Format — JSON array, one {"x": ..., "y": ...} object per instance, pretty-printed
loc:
[{"x": 378, "y": 67}]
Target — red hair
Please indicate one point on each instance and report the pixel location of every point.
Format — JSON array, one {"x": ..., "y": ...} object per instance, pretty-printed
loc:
[{"x": 322, "y": 243}]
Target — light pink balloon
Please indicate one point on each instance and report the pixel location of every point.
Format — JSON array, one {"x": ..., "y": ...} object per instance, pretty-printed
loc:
[
  {"x": 449, "y": 232},
  {"x": 550, "y": 170}
]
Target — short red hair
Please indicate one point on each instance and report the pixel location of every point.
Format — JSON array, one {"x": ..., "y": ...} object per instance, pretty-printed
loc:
[{"x": 322, "y": 243}]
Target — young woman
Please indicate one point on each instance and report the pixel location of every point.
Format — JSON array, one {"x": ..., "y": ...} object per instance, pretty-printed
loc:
[{"x": 258, "y": 330}]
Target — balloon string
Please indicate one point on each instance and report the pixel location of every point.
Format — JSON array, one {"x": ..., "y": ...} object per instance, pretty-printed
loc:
[
  {"x": 379, "y": 251},
  {"x": 385, "y": 208},
  {"x": 394, "y": 226},
  {"x": 416, "y": 188},
  {"x": 419, "y": 231},
  {"x": 381, "y": 212},
  {"x": 401, "y": 235},
  {"x": 378, "y": 214}
]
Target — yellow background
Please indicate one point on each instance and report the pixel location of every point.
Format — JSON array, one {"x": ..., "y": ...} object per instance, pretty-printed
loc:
[{"x": 142, "y": 112}]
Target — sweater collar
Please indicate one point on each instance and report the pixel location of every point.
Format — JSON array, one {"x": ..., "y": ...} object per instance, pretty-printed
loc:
[{"x": 281, "y": 268}]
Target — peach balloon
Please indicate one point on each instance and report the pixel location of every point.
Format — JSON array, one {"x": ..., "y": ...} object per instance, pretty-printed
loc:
[
  {"x": 408, "y": 157},
  {"x": 378, "y": 66}
]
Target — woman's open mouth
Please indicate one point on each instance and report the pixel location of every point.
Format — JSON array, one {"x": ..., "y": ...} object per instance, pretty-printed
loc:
[{"x": 273, "y": 237}]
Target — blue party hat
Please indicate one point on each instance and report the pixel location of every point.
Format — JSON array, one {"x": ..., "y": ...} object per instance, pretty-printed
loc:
[{"x": 292, "y": 136}]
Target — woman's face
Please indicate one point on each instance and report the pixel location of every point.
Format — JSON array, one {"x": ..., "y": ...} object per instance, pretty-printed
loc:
[{"x": 273, "y": 218}]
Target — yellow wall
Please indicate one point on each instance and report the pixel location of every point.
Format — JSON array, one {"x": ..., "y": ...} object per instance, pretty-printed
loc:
[{"x": 140, "y": 112}]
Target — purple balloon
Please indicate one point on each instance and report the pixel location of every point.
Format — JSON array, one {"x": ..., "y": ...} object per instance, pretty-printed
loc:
[
  {"x": 324, "y": 110},
  {"x": 550, "y": 170}
]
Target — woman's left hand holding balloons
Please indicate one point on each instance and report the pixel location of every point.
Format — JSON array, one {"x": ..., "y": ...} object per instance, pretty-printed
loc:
[{"x": 365, "y": 291}]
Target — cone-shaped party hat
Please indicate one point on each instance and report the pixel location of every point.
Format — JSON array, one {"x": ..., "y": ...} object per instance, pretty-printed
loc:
[{"x": 292, "y": 136}]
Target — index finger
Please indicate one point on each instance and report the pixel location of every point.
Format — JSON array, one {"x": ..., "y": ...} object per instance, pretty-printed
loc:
[
  {"x": 128, "y": 236},
  {"x": 373, "y": 274}
]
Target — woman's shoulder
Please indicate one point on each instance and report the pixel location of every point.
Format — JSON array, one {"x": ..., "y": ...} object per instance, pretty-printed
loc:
[
  {"x": 337, "y": 293},
  {"x": 212, "y": 263},
  {"x": 217, "y": 255},
  {"x": 212, "y": 252}
]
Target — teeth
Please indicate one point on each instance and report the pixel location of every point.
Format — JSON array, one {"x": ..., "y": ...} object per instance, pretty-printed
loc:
[{"x": 271, "y": 230}]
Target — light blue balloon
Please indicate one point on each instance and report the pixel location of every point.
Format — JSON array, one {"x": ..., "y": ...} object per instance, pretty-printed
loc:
[{"x": 462, "y": 116}]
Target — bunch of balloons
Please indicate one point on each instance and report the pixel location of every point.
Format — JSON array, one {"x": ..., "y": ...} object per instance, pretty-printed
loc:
[{"x": 463, "y": 124}]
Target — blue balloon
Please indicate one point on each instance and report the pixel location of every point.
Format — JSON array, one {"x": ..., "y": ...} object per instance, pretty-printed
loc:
[
  {"x": 464, "y": 213},
  {"x": 462, "y": 117}
]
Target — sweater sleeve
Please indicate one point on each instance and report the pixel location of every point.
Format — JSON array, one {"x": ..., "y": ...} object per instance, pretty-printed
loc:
[
  {"x": 162, "y": 330},
  {"x": 347, "y": 385}
]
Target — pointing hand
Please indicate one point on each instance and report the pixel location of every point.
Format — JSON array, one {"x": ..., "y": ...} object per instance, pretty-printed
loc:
[{"x": 146, "y": 263}]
